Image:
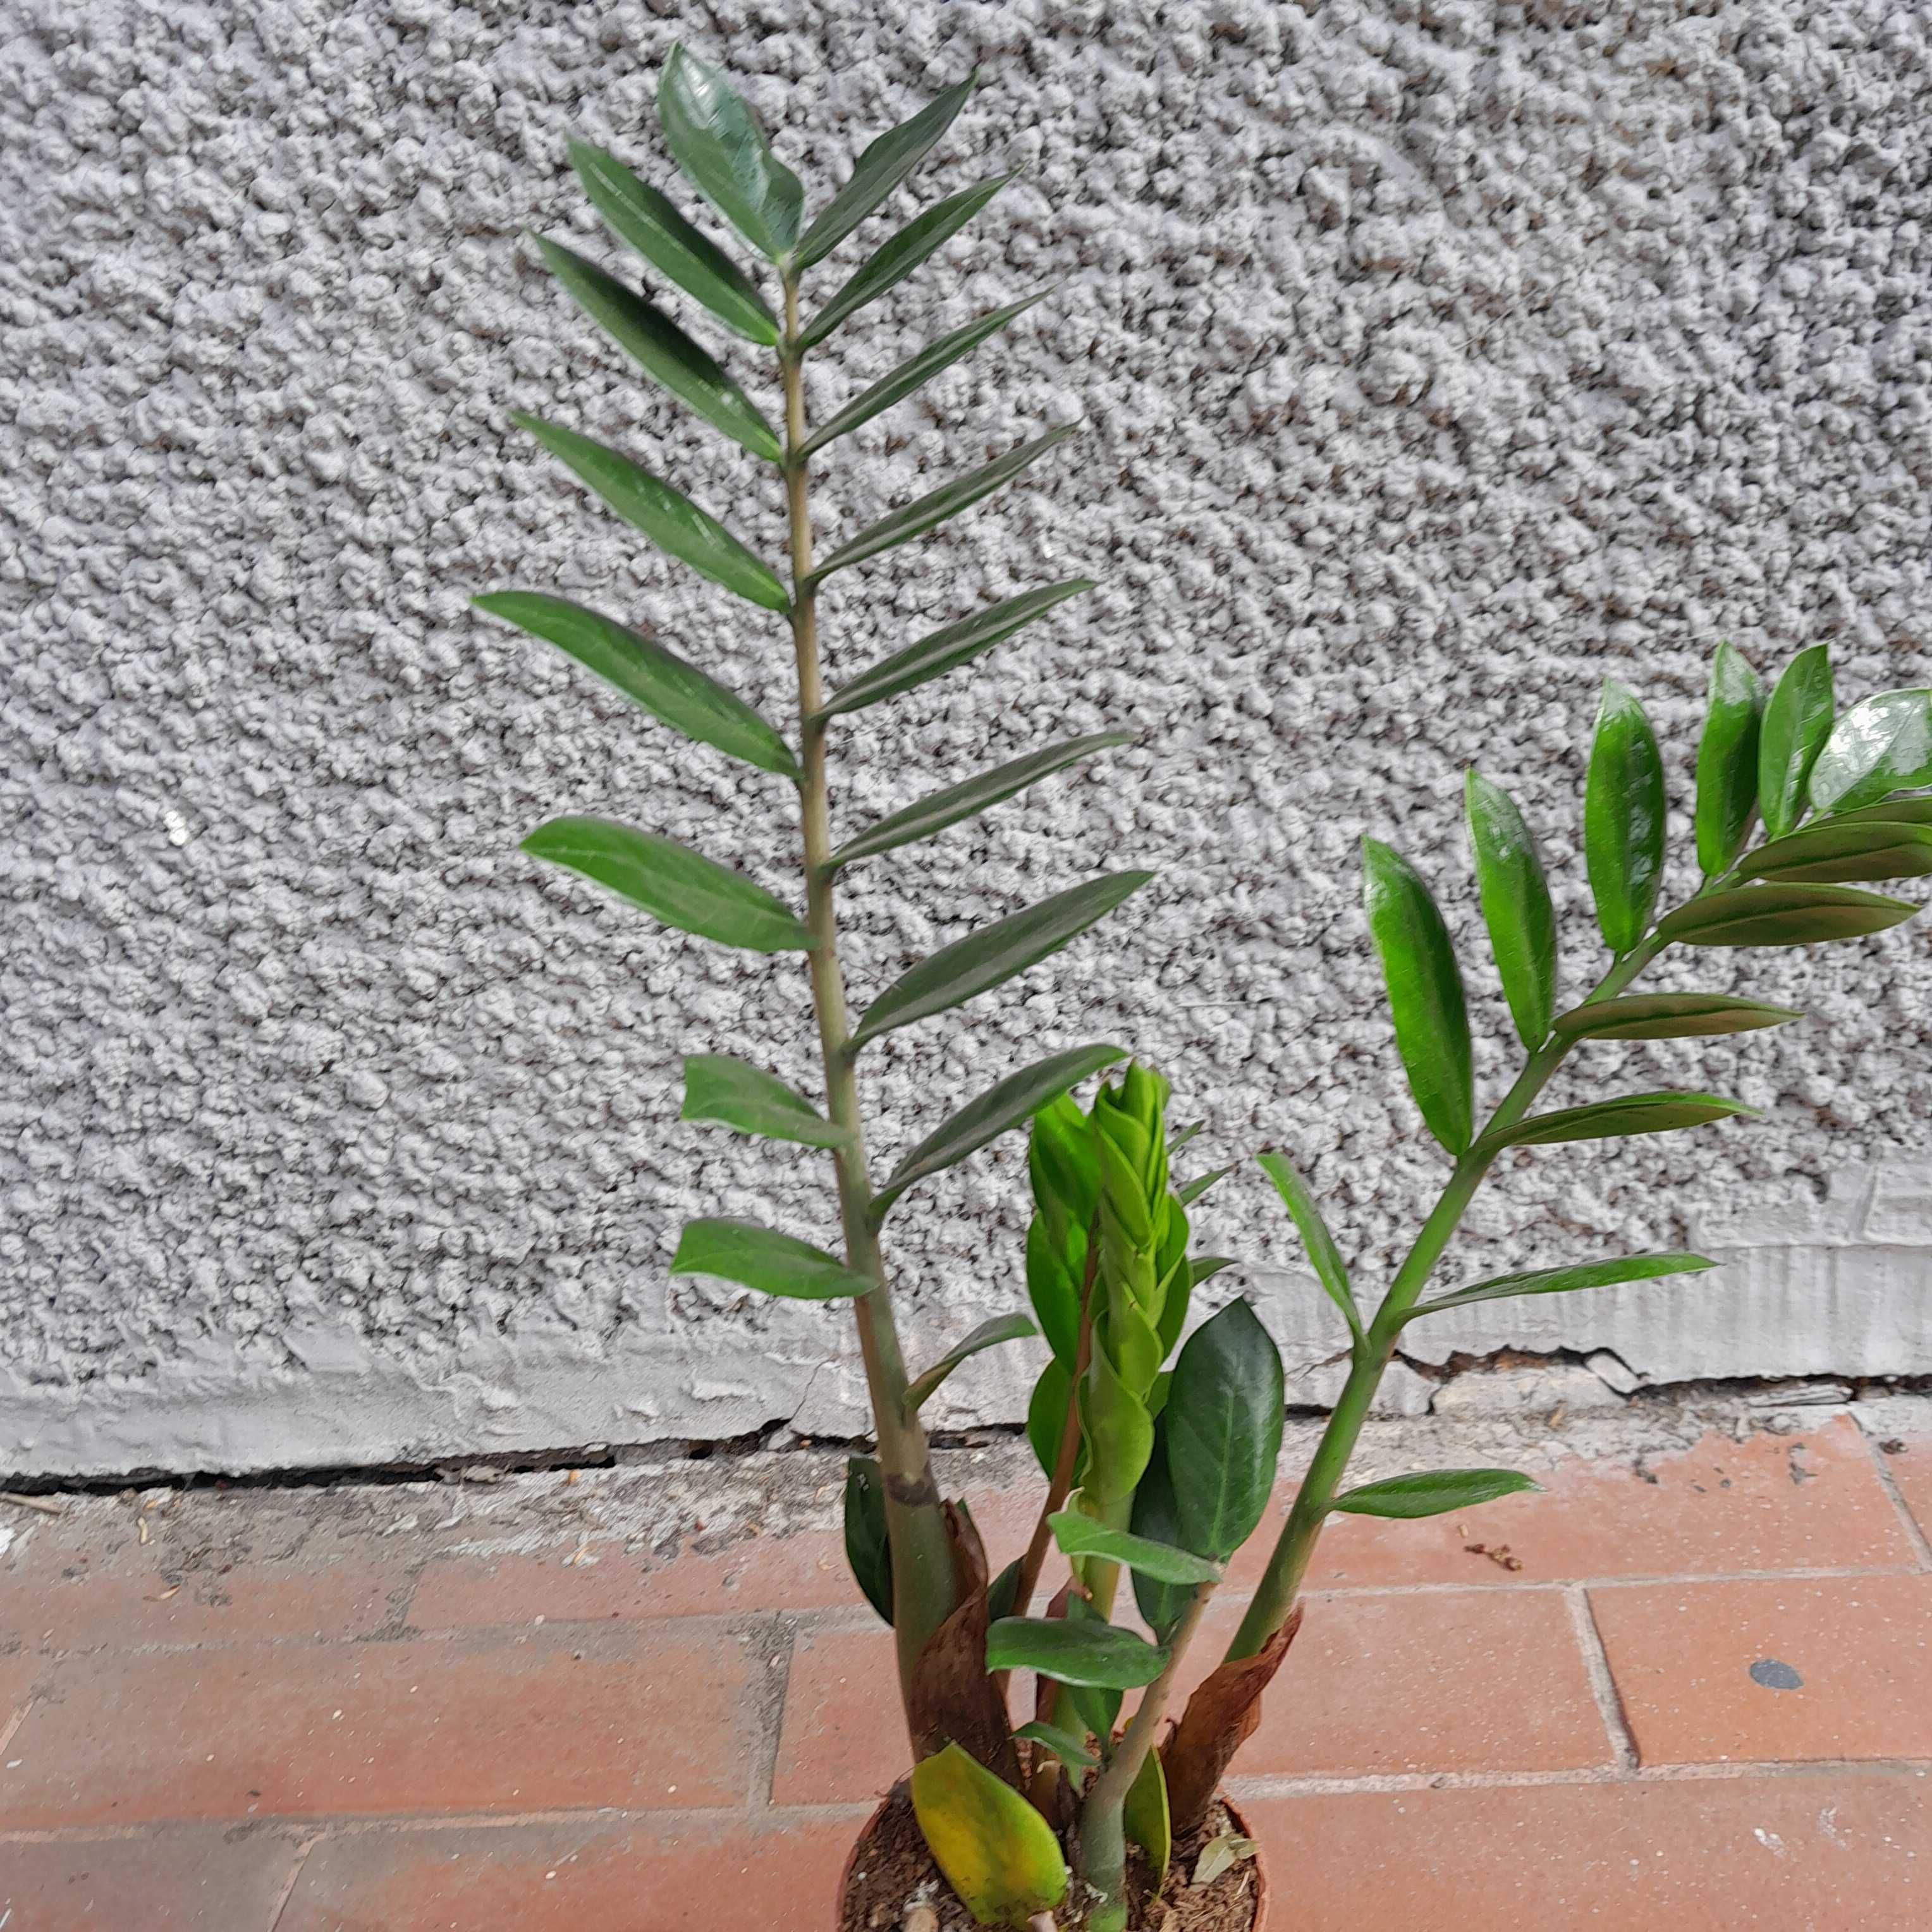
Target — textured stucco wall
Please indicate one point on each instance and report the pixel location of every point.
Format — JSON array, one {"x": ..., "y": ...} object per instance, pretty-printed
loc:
[{"x": 1434, "y": 360}]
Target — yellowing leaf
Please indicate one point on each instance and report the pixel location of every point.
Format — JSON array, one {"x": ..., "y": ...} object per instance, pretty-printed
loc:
[{"x": 997, "y": 1853}]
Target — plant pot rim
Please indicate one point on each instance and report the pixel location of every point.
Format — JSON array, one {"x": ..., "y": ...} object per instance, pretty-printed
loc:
[{"x": 1259, "y": 1924}]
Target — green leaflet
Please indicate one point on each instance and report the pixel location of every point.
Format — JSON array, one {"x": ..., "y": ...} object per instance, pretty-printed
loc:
[
  {"x": 1013, "y": 1100},
  {"x": 997, "y": 1853},
  {"x": 675, "y": 692},
  {"x": 643, "y": 217},
  {"x": 885, "y": 164},
  {"x": 1669, "y": 1016},
  {"x": 1222, "y": 1429},
  {"x": 1319, "y": 1244},
  {"x": 986, "y": 958},
  {"x": 1893, "y": 811},
  {"x": 987, "y": 1335},
  {"x": 941, "y": 808},
  {"x": 671, "y": 521},
  {"x": 1797, "y": 721},
  {"x": 867, "y": 1551},
  {"x": 763, "y": 1258},
  {"x": 1516, "y": 907},
  {"x": 1199, "y": 1185},
  {"x": 1435, "y": 1492},
  {"x": 1071, "y": 1751},
  {"x": 1425, "y": 991},
  {"x": 716, "y": 139},
  {"x": 662, "y": 350},
  {"x": 1782, "y": 915},
  {"x": 1116, "y": 1432},
  {"x": 1882, "y": 745},
  {"x": 681, "y": 887},
  {"x": 1562, "y": 1280},
  {"x": 1145, "y": 1819},
  {"x": 901, "y": 526},
  {"x": 1079, "y": 1535},
  {"x": 899, "y": 383},
  {"x": 1617, "y": 1120},
  {"x": 1834, "y": 851},
  {"x": 1100, "y": 1656},
  {"x": 1046, "y": 1413},
  {"x": 717, "y": 1087},
  {"x": 1156, "y": 1517},
  {"x": 1727, "y": 761},
  {"x": 1623, "y": 819},
  {"x": 900, "y": 255}
]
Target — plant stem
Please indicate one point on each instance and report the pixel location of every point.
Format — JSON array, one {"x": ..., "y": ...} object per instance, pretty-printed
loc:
[{"x": 925, "y": 1590}]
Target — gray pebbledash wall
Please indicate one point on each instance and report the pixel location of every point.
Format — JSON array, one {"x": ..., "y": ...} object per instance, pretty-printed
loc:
[{"x": 1433, "y": 361}]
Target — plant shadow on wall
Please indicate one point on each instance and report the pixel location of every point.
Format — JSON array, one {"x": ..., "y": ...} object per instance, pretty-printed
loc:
[{"x": 1159, "y": 1445}]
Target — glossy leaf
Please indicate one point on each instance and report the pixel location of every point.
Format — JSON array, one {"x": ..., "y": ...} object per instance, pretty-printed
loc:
[
  {"x": 645, "y": 219},
  {"x": 884, "y": 270},
  {"x": 1046, "y": 1413},
  {"x": 901, "y": 526},
  {"x": 899, "y": 383},
  {"x": 680, "y": 886},
  {"x": 1834, "y": 851},
  {"x": 1054, "y": 1281},
  {"x": 947, "y": 649},
  {"x": 867, "y": 1550},
  {"x": 651, "y": 339},
  {"x": 1071, "y": 1750},
  {"x": 1562, "y": 1280},
  {"x": 987, "y": 957},
  {"x": 1222, "y": 1427},
  {"x": 1797, "y": 721},
  {"x": 672, "y": 521},
  {"x": 1116, "y": 1428},
  {"x": 1670, "y": 1016},
  {"x": 1617, "y": 1119},
  {"x": 717, "y": 1088},
  {"x": 1623, "y": 819},
  {"x": 997, "y": 1853},
  {"x": 1008, "y": 1104},
  {"x": 1199, "y": 1185},
  {"x": 1316, "y": 1241},
  {"x": 987, "y": 1335},
  {"x": 1204, "y": 1267},
  {"x": 1425, "y": 991},
  {"x": 939, "y": 809},
  {"x": 1516, "y": 907},
  {"x": 1893, "y": 811},
  {"x": 1782, "y": 915},
  {"x": 715, "y": 139},
  {"x": 1101, "y": 1656},
  {"x": 1156, "y": 1518},
  {"x": 673, "y": 692},
  {"x": 1144, "y": 1819},
  {"x": 1079, "y": 1535},
  {"x": 1882, "y": 745},
  {"x": 1434, "y": 1492},
  {"x": 1002, "y": 1592},
  {"x": 763, "y": 1258},
  {"x": 885, "y": 164},
  {"x": 1727, "y": 761}
]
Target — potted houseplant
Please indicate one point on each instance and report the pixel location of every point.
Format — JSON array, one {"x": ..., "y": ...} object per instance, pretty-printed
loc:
[{"x": 1159, "y": 1444}]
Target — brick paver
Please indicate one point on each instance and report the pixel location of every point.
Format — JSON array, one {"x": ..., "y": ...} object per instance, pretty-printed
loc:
[{"x": 204, "y": 1880}]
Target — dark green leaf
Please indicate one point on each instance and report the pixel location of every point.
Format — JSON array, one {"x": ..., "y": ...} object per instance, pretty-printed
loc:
[
  {"x": 1617, "y": 1119},
  {"x": 1100, "y": 1656},
  {"x": 919, "y": 369},
  {"x": 1425, "y": 990},
  {"x": 1199, "y": 1185},
  {"x": 1780, "y": 915},
  {"x": 939, "y": 809},
  {"x": 1079, "y": 1535},
  {"x": 1669, "y": 1016},
  {"x": 649, "y": 337},
  {"x": 1882, "y": 745},
  {"x": 763, "y": 1258},
  {"x": 1157, "y": 1517},
  {"x": 682, "y": 887},
  {"x": 1623, "y": 819},
  {"x": 715, "y": 139},
  {"x": 984, "y": 959},
  {"x": 1145, "y": 1819},
  {"x": 1727, "y": 757},
  {"x": 885, "y": 164},
  {"x": 947, "y": 649},
  {"x": 651, "y": 226},
  {"x": 717, "y": 1087},
  {"x": 867, "y": 1550},
  {"x": 1071, "y": 1751},
  {"x": 672, "y": 522},
  {"x": 1046, "y": 1413},
  {"x": 1207, "y": 1266},
  {"x": 1435, "y": 1492},
  {"x": 987, "y": 1335},
  {"x": 1181, "y": 1136},
  {"x": 673, "y": 692},
  {"x": 1835, "y": 851},
  {"x": 1002, "y": 1590},
  {"x": 1562, "y": 1280},
  {"x": 903, "y": 253},
  {"x": 1797, "y": 721},
  {"x": 917, "y": 518},
  {"x": 1323, "y": 1255},
  {"x": 1014, "y": 1099},
  {"x": 1894, "y": 811},
  {"x": 1222, "y": 1428},
  {"x": 1515, "y": 907}
]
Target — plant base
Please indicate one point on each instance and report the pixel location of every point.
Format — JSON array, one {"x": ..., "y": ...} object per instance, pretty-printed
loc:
[{"x": 890, "y": 1873}]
